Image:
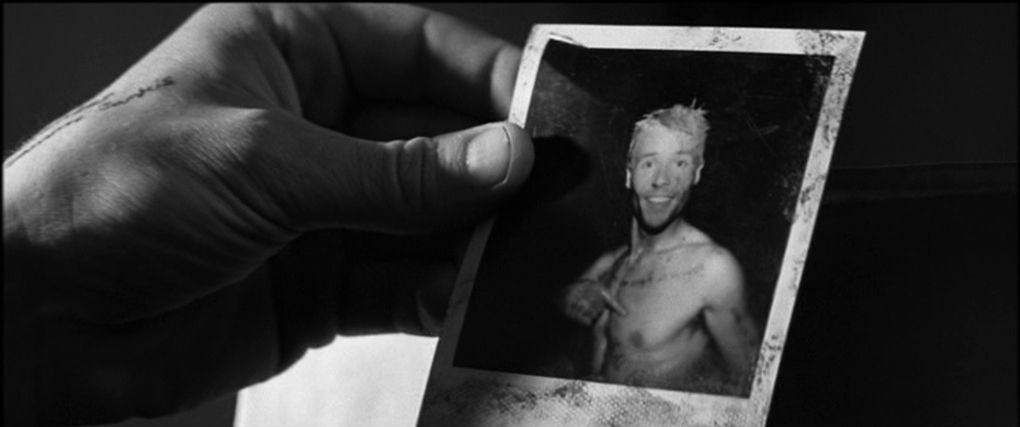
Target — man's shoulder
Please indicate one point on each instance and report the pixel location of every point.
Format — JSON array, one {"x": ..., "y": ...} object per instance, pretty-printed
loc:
[
  {"x": 716, "y": 263},
  {"x": 717, "y": 256},
  {"x": 721, "y": 269},
  {"x": 709, "y": 257},
  {"x": 709, "y": 251},
  {"x": 617, "y": 252},
  {"x": 608, "y": 259}
]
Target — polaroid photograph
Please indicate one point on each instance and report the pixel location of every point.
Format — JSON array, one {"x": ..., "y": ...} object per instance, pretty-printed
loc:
[{"x": 646, "y": 273}]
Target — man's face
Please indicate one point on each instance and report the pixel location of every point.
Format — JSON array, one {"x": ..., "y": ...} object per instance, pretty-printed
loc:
[{"x": 664, "y": 165}]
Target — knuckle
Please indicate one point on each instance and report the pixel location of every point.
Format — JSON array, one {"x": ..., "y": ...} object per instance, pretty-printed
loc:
[
  {"x": 412, "y": 178},
  {"x": 234, "y": 139},
  {"x": 250, "y": 119}
]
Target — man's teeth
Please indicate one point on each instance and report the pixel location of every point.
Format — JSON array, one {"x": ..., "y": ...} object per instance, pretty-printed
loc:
[{"x": 658, "y": 199}]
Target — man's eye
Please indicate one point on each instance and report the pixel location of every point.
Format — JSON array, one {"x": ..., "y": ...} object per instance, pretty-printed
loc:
[
  {"x": 681, "y": 163},
  {"x": 646, "y": 165}
]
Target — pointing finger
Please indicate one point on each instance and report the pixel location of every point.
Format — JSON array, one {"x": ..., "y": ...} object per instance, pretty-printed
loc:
[{"x": 613, "y": 303}]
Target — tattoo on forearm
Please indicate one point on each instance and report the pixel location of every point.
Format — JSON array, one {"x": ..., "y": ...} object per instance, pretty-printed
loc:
[{"x": 100, "y": 103}]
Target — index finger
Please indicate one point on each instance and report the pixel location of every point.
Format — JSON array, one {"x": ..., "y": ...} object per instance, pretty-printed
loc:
[
  {"x": 399, "y": 53},
  {"x": 613, "y": 303}
]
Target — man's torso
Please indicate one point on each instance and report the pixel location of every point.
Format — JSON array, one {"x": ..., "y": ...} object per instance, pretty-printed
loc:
[{"x": 662, "y": 341}]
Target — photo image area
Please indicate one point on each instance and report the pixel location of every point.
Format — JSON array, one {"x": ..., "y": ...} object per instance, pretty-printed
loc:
[{"x": 762, "y": 111}]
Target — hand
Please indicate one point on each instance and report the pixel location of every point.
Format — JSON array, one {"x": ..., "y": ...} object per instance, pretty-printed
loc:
[
  {"x": 225, "y": 204},
  {"x": 587, "y": 300}
]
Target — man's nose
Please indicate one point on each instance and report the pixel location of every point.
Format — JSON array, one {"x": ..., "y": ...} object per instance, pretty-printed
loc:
[{"x": 660, "y": 179}]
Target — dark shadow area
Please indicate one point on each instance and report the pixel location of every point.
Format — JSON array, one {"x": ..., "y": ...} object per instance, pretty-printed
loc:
[
  {"x": 218, "y": 413},
  {"x": 906, "y": 315},
  {"x": 560, "y": 166}
]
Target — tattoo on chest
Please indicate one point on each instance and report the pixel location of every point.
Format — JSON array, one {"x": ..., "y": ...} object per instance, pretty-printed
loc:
[
  {"x": 98, "y": 104},
  {"x": 651, "y": 273},
  {"x": 638, "y": 282}
]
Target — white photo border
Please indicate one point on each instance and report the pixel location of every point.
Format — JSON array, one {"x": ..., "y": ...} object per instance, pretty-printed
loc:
[{"x": 649, "y": 406}]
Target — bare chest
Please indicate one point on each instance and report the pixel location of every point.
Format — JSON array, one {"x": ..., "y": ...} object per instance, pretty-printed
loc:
[{"x": 662, "y": 294}]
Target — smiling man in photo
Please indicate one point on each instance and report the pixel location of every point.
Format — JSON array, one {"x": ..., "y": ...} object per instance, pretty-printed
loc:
[{"x": 668, "y": 309}]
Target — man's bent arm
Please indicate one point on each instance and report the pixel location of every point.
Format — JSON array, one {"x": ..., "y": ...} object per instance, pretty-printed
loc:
[
  {"x": 586, "y": 298},
  {"x": 726, "y": 315}
]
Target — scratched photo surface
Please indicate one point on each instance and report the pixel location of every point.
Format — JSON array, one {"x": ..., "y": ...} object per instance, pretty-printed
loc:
[{"x": 762, "y": 110}]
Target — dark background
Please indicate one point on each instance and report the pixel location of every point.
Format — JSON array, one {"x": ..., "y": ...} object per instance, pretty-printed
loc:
[
  {"x": 762, "y": 109},
  {"x": 917, "y": 328}
]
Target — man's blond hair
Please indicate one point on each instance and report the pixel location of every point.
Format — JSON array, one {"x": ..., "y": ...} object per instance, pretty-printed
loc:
[{"x": 678, "y": 118}]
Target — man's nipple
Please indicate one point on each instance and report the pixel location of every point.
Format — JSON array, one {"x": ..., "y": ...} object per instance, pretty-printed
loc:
[{"x": 635, "y": 339}]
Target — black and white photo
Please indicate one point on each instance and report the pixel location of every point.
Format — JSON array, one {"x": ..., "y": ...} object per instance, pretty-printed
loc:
[{"x": 656, "y": 247}]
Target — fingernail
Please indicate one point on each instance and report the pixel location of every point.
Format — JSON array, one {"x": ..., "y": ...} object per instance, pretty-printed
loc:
[{"x": 488, "y": 157}]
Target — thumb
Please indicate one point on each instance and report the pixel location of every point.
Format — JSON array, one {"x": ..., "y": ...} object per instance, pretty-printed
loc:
[{"x": 415, "y": 185}]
